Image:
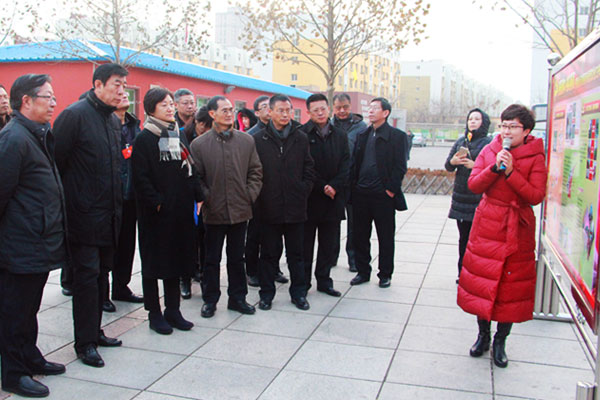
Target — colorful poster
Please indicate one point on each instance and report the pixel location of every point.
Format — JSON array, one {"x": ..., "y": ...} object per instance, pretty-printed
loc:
[{"x": 571, "y": 223}]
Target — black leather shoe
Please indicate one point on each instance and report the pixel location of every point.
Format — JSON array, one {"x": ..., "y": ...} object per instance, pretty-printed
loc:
[
  {"x": 385, "y": 282},
  {"x": 280, "y": 278},
  {"x": 208, "y": 310},
  {"x": 90, "y": 356},
  {"x": 186, "y": 289},
  {"x": 301, "y": 303},
  {"x": 108, "y": 306},
  {"x": 264, "y": 304},
  {"x": 159, "y": 324},
  {"x": 176, "y": 320},
  {"x": 358, "y": 279},
  {"x": 240, "y": 306},
  {"x": 352, "y": 268},
  {"x": 128, "y": 298},
  {"x": 330, "y": 291},
  {"x": 28, "y": 387},
  {"x": 253, "y": 281},
  {"x": 49, "y": 368},
  {"x": 67, "y": 292},
  {"x": 105, "y": 341}
]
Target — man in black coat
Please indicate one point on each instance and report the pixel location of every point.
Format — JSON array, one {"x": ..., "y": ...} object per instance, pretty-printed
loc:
[
  {"x": 32, "y": 232},
  {"x": 378, "y": 167},
  {"x": 4, "y": 108},
  {"x": 329, "y": 150},
  {"x": 88, "y": 155},
  {"x": 288, "y": 177}
]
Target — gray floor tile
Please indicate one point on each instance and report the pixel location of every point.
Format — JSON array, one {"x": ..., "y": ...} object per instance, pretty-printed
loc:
[
  {"x": 250, "y": 348},
  {"x": 443, "y": 317},
  {"x": 405, "y": 238},
  {"x": 397, "y": 293},
  {"x": 414, "y": 252},
  {"x": 396, "y": 391},
  {"x": 48, "y": 344},
  {"x": 56, "y": 321},
  {"x": 372, "y": 311},
  {"x": 540, "y": 350},
  {"x": 437, "y": 298},
  {"x": 179, "y": 342},
  {"x": 405, "y": 280},
  {"x": 441, "y": 282},
  {"x": 320, "y": 303},
  {"x": 444, "y": 249},
  {"x": 444, "y": 269},
  {"x": 131, "y": 368},
  {"x": 63, "y": 388},
  {"x": 200, "y": 378},
  {"x": 295, "y": 385},
  {"x": 147, "y": 395},
  {"x": 406, "y": 267},
  {"x": 441, "y": 371},
  {"x": 291, "y": 324},
  {"x": 156, "y": 396},
  {"x": 342, "y": 360},
  {"x": 53, "y": 296},
  {"x": 551, "y": 329},
  {"x": 357, "y": 332},
  {"x": 437, "y": 340},
  {"x": 539, "y": 381}
]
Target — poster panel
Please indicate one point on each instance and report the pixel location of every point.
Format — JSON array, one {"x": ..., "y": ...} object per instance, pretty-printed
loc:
[{"x": 572, "y": 204}]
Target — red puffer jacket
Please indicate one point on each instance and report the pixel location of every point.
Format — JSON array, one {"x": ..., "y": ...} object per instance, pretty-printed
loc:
[{"x": 497, "y": 281}]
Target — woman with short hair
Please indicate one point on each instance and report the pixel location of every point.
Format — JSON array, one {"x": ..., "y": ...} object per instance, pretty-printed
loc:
[
  {"x": 497, "y": 281},
  {"x": 166, "y": 188}
]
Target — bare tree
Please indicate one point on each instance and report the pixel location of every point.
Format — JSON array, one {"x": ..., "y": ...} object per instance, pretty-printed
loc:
[
  {"x": 329, "y": 34},
  {"x": 553, "y": 19},
  {"x": 13, "y": 13},
  {"x": 143, "y": 26}
]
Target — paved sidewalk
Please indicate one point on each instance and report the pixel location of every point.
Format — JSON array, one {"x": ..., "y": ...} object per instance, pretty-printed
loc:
[{"x": 409, "y": 341}]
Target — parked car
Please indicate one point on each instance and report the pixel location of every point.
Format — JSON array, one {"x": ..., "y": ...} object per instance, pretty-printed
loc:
[{"x": 419, "y": 140}]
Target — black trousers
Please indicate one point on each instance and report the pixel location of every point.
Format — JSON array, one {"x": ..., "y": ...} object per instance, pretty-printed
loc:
[
  {"x": 20, "y": 299},
  {"x": 152, "y": 298},
  {"x": 464, "y": 229},
  {"x": 327, "y": 232},
  {"x": 378, "y": 208},
  {"x": 125, "y": 252},
  {"x": 270, "y": 253},
  {"x": 335, "y": 250},
  {"x": 350, "y": 236},
  {"x": 90, "y": 265},
  {"x": 236, "y": 273},
  {"x": 252, "y": 249}
]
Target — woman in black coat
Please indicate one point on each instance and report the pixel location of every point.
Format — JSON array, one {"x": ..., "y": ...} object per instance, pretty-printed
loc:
[
  {"x": 166, "y": 188},
  {"x": 464, "y": 202}
]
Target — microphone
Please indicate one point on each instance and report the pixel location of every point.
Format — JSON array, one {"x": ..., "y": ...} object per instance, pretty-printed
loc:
[{"x": 506, "y": 143}]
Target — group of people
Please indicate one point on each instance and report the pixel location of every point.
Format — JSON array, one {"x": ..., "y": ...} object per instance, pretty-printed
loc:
[{"x": 72, "y": 196}]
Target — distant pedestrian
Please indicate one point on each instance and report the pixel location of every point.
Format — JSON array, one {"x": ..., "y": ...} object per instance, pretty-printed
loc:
[
  {"x": 185, "y": 104},
  {"x": 462, "y": 159}
]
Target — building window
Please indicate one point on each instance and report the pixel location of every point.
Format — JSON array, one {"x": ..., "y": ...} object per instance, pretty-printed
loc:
[
  {"x": 582, "y": 32},
  {"x": 239, "y": 104},
  {"x": 297, "y": 114},
  {"x": 584, "y": 10},
  {"x": 201, "y": 101},
  {"x": 294, "y": 77},
  {"x": 340, "y": 80}
]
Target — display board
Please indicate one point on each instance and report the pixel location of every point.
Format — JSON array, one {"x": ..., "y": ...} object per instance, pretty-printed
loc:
[{"x": 572, "y": 204}]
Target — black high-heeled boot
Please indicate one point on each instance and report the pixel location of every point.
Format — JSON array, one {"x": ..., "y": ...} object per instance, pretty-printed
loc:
[
  {"x": 498, "y": 348},
  {"x": 482, "y": 344}
]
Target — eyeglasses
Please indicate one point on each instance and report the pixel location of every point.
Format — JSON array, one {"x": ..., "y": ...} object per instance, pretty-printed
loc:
[
  {"x": 226, "y": 111},
  {"x": 262, "y": 107},
  {"x": 507, "y": 127},
  {"x": 52, "y": 98},
  {"x": 282, "y": 111}
]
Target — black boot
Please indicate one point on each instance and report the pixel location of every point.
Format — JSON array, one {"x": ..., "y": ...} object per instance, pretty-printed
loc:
[
  {"x": 498, "y": 351},
  {"x": 482, "y": 344},
  {"x": 186, "y": 288}
]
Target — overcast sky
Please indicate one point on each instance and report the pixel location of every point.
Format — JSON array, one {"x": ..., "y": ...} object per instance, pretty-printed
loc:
[{"x": 485, "y": 44}]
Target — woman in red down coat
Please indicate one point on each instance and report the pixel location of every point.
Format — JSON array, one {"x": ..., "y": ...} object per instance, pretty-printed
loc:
[{"x": 497, "y": 282}]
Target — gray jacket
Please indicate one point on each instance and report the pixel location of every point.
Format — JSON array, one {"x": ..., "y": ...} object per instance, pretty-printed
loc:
[{"x": 231, "y": 174}]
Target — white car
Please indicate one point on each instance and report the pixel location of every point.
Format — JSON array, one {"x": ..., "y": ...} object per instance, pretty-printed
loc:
[{"x": 419, "y": 140}]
